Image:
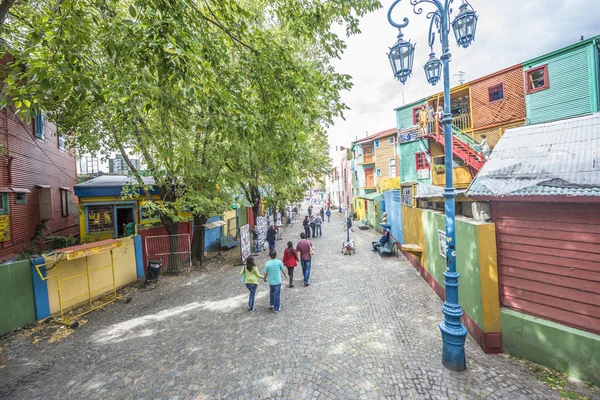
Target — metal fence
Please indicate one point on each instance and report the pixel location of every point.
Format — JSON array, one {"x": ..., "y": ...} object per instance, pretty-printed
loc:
[
  {"x": 232, "y": 227},
  {"x": 174, "y": 250}
]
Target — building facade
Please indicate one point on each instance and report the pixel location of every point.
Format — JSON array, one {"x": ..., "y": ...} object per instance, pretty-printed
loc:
[{"x": 36, "y": 182}]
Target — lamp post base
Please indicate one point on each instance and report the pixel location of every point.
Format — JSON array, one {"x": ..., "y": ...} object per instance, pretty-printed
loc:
[{"x": 453, "y": 347}]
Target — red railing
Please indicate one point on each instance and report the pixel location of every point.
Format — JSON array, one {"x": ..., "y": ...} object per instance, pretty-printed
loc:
[{"x": 462, "y": 150}]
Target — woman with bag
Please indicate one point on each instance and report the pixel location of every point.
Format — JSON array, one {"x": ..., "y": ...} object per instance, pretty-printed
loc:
[
  {"x": 249, "y": 277},
  {"x": 290, "y": 261}
]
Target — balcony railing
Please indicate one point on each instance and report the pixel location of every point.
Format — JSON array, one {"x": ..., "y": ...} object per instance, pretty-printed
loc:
[{"x": 368, "y": 158}]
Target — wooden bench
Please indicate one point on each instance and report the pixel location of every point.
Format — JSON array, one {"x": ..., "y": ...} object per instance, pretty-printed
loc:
[
  {"x": 228, "y": 242},
  {"x": 412, "y": 248}
]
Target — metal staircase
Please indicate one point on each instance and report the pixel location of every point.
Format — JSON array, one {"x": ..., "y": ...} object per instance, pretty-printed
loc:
[{"x": 463, "y": 146}]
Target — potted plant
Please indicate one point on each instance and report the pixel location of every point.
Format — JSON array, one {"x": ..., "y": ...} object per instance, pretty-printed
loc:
[{"x": 439, "y": 168}]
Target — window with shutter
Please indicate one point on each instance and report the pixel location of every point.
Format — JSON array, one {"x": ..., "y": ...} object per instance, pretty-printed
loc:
[
  {"x": 64, "y": 202},
  {"x": 71, "y": 206},
  {"x": 39, "y": 126},
  {"x": 4, "y": 204},
  {"x": 45, "y": 202}
]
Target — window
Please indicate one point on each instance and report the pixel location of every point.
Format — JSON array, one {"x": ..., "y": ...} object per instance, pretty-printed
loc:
[
  {"x": 536, "y": 79},
  {"x": 496, "y": 92},
  {"x": 392, "y": 167},
  {"x": 407, "y": 198},
  {"x": 377, "y": 144},
  {"x": 421, "y": 161},
  {"x": 391, "y": 140},
  {"x": 64, "y": 202},
  {"x": 415, "y": 115},
  {"x": 39, "y": 126},
  {"x": 21, "y": 198},
  {"x": 378, "y": 172},
  {"x": 100, "y": 218},
  {"x": 4, "y": 206},
  {"x": 45, "y": 202},
  {"x": 62, "y": 142}
]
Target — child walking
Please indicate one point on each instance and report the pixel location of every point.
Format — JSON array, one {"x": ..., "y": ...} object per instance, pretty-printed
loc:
[
  {"x": 273, "y": 274},
  {"x": 290, "y": 261},
  {"x": 251, "y": 280}
]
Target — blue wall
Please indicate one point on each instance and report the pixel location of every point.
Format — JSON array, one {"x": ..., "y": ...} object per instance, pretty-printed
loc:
[
  {"x": 394, "y": 211},
  {"x": 212, "y": 235}
]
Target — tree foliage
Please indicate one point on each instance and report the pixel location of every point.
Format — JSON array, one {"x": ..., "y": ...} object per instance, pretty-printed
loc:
[{"x": 217, "y": 96}]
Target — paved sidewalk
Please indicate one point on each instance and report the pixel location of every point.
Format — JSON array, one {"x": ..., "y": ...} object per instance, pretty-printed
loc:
[{"x": 366, "y": 327}]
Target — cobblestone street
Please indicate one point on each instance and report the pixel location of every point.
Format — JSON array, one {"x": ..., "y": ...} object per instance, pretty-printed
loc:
[{"x": 366, "y": 327}]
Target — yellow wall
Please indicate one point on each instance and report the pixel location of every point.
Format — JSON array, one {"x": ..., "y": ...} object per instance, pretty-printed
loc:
[
  {"x": 75, "y": 290},
  {"x": 227, "y": 215},
  {"x": 383, "y": 154},
  {"x": 462, "y": 175},
  {"x": 389, "y": 184},
  {"x": 412, "y": 226},
  {"x": 488, "y": 270}
]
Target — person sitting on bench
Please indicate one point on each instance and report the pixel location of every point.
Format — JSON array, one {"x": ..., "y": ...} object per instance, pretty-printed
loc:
[{"x": 382, "y": 242}]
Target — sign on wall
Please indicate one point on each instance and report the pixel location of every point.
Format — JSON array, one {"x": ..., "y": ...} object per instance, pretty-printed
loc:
[
  {"x": 245, "y": 242},
  {"x": 443, "y": 245}
]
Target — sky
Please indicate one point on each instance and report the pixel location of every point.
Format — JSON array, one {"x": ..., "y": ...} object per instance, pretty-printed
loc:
[{"x": 508, "y": 32}]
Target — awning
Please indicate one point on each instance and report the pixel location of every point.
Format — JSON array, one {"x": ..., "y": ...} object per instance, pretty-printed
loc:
[
  {"x": 88, "y": 249},
  {"x": 5, "y": 190},
  {"x": 371, "y": 196},
  {"x": 215, "y": 224},
  {"x": 68, "y": 189},
  {"x": 20, "y": 190},
  {"x": 427, "y": 191},
  {"x": 43, "y": 186}
]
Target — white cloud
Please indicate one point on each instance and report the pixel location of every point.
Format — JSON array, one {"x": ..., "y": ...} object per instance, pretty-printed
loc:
[{"x": 509, "y": 32}]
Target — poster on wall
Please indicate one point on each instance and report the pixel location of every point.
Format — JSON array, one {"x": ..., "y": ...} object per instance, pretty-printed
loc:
[
  {"x": 245, "y": 242},
  {"x": 442, "y": 242},
  {"x": 262, "y": 225},
  {"x": 4, "y": 228}
]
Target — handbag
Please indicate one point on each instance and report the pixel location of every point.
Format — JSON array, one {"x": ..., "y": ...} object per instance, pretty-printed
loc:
[
  {"x": 312, "y": 250},
  {"x": 243, "y": 277}
]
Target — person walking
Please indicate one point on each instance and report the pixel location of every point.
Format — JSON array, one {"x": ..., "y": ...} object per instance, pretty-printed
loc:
[
  {"x": 273, "y": 269},
  {"x": 306, "y": 250},
  {"x": 290, "y": 261},
  {"x": 250, "y": 275},
  {"x": 271, "y": 238},
  {"x": 306, "y": 224},
  {"x": 318, "y": 223},
  {"x": 256, "y": 239},
  {"x": 279, "y": 229},
  {"x": 322, "y": 212},
  {"x": 328, "y": 213},
  {"x": 310, "y": 210},
  {"x": 312, "y": 225}
]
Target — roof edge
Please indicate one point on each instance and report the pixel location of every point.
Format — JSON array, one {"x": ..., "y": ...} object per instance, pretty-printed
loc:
[{"x": 570, "y": 47}]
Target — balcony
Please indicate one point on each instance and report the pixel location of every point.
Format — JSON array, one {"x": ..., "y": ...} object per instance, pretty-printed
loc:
[{"x": 364, "y": 159}]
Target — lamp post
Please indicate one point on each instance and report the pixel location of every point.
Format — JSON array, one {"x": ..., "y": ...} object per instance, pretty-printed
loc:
[{"x": 401, "y": 57}]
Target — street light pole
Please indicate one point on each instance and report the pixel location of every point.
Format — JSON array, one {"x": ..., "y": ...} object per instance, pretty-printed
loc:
[{"x": 401, "y": 58}]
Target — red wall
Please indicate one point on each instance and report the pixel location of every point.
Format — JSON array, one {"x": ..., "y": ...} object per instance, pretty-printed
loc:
[
  {"x": 34, "y": 161},
  {"x": 184, "y": 227},
  {"x": 549, "y": 261}
]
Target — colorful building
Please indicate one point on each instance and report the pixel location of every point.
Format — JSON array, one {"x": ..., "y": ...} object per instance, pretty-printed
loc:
[
  {"x": 564, "y": 83},
  {"x": 376, "y": 168},
  {"x": 543, "y": 184},
  {"x": 36, "y": 182}
]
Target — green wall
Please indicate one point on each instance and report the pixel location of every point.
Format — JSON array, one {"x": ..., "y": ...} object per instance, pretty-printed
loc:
[
  {"x": 404, "y": 114},
  {"x": 408, "y": 167},
  {"x": 573, "y": 80},
  {"x": 17, "y": 307},
  {"x": 243, "y": 216},
  {"x": 467, "y": 261},
  {"x": 570, "y": 350}
]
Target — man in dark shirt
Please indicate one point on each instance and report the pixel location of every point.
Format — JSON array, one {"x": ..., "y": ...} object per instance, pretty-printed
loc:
[
  {"x": 271, "y": 238},
  {"x": 256, "y": 238},
  {"x": 304, "y": 247},
  {"x": 384, "y": 239},
  {"x": 306, "y": 224}
]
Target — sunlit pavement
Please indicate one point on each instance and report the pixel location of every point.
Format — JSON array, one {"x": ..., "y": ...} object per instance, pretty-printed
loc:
[{"x": 366, "y": 327}]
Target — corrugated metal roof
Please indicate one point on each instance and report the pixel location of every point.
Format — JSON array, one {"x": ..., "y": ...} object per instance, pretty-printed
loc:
[
  {"x": 108, "y": 181},
  {"x": 557, "y": 158}
]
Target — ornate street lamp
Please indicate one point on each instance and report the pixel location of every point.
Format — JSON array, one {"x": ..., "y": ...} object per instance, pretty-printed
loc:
[
  {"x": 401, "y": 57},
  {"x": 433, "y": 69},
  {"x": 453, "y": 332},
  {"x": 464, "y": 25}
]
